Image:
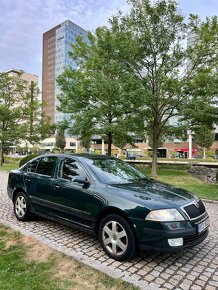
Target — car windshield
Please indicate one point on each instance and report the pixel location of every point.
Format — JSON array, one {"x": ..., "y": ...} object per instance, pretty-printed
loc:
[{"x": 114, "y": 170}]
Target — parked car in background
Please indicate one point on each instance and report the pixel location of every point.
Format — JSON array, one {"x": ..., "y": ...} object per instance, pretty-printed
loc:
[{"x": 106, "y": 196}]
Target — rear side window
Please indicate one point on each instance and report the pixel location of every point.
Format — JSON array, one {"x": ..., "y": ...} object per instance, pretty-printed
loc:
[
  {"x": 46, "y": 166},
  {"x": 31, "y": 167}
]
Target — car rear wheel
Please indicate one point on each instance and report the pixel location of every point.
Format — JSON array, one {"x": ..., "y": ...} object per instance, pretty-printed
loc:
[
  {"x": 117, "y": 237},
  {"x": 21, "y": 207}
]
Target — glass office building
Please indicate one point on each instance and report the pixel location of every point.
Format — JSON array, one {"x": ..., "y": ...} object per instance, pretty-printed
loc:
[{"x": 56, "y": 46}]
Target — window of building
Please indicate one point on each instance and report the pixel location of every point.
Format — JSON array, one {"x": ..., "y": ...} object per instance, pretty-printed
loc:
[{"x": 72, "y": 144}]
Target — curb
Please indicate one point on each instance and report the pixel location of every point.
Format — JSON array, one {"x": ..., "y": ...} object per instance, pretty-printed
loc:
[{"x": 210, "y": 201}]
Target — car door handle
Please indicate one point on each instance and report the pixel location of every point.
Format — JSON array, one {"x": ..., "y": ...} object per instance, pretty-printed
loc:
[
  {"x": 27, "y": 179},
  {"x": 56, "y": 186}
]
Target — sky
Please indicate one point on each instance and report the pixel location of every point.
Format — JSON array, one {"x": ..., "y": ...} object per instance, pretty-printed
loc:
[{"x": 23, "y": 22}]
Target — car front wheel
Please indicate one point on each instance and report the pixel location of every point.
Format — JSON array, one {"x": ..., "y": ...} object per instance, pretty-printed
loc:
[
  {"x": 21, "y": 207},
  {"x": 117, "y": 237}
]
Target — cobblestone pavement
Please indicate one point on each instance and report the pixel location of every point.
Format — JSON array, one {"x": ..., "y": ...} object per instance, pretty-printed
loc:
[{"x": 195, "y": 268}]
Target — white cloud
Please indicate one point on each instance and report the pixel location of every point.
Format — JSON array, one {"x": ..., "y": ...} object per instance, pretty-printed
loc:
[{"x": 24, "y": 22}]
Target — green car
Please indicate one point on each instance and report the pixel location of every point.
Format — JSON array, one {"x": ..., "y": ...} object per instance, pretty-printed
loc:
[{"x": 104, "y": 195}]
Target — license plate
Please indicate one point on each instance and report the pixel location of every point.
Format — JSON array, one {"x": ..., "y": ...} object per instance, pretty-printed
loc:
[{"x": 202, "y": 226}]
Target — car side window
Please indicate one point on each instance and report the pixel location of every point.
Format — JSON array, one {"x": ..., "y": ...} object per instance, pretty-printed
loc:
[
  {"x": 31, "y": 167},
  {"x": 70, "y": 168},
  {"x": 46, "y": 166}
]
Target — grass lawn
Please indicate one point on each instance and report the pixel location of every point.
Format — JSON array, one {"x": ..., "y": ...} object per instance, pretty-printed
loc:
[
  {"x": 183, "y": 179},
  {"x": 26, "y": 264},
  {"x": 9, "y": 167}
]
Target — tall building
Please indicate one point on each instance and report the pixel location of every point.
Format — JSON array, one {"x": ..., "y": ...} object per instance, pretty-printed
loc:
[{"x": 56, "y": 46}]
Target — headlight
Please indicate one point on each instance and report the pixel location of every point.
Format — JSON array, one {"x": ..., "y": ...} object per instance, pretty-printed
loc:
[{"x": 165, "y": 215}]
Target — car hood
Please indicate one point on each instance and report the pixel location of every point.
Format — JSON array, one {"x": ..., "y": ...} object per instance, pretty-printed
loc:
[{"x": 154, "y": 193}]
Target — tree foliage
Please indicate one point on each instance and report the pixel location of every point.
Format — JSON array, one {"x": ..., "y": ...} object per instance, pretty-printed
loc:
[
  {"x": 169, "y": 72},
  {"x": 204, "y": 137},
  {"x": 60, "y": 140},
  {"x": 138, "y": 74},
  {"x": 20, "y": 114},
  {"x": 100, "y": 95}
]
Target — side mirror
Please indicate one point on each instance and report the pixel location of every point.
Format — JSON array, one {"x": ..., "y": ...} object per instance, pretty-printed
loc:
[{"x": 80, "y": 179}]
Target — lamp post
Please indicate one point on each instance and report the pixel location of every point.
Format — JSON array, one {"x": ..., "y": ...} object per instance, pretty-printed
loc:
[
  {"x": 189, "y": 132},
  {"x": 102, "y": 147}
]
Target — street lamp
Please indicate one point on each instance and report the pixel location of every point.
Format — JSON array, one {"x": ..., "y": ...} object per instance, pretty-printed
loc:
[{"x": 190, "y": 133}]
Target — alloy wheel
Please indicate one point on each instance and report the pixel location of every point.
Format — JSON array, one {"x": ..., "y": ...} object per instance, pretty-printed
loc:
[
  {"x": 20, "y": 206},
  {"x": 115, "y": 238}
]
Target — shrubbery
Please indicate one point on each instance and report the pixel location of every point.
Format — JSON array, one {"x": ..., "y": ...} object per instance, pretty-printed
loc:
[{"x": 11, "y": 160}]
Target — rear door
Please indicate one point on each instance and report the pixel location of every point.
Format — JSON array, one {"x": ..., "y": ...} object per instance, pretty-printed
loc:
[{"x": 38, "y": 178}]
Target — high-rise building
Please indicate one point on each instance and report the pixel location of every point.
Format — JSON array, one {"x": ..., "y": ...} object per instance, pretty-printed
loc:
[{"x": 56, "y": 46}]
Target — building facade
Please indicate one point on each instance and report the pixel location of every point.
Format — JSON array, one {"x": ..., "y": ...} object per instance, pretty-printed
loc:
[
  {"x": 24, "y": 75},
  {"x": 56, "y": 46}
]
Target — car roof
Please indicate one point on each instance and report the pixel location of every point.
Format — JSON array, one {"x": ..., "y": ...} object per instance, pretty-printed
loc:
[{"x": 79, "y": 155}]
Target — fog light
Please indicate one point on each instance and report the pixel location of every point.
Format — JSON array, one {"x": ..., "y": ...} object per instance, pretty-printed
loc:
[{"x": 175, "y": 242}]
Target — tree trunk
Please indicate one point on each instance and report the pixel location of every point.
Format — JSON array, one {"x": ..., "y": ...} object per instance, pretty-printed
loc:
[
  {"x": 109, "y": 138},
  {"x": 1, "y": 154},
  {"x": 204, "y": 150},
  {"x": 155, "y": 151},
  {"x": 154, "y": 159}
]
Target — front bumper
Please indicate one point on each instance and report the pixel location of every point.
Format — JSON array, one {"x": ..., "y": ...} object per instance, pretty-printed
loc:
[{"x": 155, "y": 235}]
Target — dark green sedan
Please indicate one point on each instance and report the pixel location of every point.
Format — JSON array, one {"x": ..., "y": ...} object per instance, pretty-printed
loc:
[{"x": 104, "y": 195}]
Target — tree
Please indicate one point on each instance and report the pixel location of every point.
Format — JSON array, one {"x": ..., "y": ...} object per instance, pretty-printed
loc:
[
  {"x": 36, "y": 126},
  {"x": 100, "y": 95},
  {"x": 11, "y": 112},
  {"x": 20, "y": 114},
  {"x": 60, "y": 137},
  {"x": 204, "y": 137},
  {"x": 85, "y": 142},
  {"x": 138, "y": 72},
  {"x": 152, "y": 47}
]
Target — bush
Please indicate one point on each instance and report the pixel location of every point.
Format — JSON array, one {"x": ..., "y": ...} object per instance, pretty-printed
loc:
[
  {"x": 175, "y": 166},
  {"x": 122, "y": 156},
  {"x": 182, "y": 167},
  {"x": 11, "y": 160},
  {"x": 27, "y": 158}
]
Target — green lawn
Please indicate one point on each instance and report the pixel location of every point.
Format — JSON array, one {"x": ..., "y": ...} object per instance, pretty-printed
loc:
[
  {"x": 9, "y": 167},
  {"x": 26, "y": 264},
  {"x": 183, "y": 179}
]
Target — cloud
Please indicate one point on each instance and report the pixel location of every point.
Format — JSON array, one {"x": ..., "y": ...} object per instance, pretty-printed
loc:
[{"x": 24, "y": 23}]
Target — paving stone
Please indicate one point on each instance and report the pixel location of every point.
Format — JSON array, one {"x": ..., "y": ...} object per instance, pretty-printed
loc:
[
  {"x": 194, "y": 268},
  {"x": 196, "y": 287},
  {"x": 168, "y": 286},
  {"x": 208, "y": 287}
]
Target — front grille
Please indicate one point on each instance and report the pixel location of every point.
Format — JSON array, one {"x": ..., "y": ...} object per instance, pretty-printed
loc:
[
  {"x": 195, "y": 239},
  {"x": 193, "y": 211}
]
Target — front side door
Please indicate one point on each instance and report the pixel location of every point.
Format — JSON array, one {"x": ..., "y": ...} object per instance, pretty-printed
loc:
[{"x": 74, "y": 201}]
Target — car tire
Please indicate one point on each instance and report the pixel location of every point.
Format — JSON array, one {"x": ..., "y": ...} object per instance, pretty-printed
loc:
[
  {"x": 117, "y": 237},
  {"x": 22, "y": 207}
]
